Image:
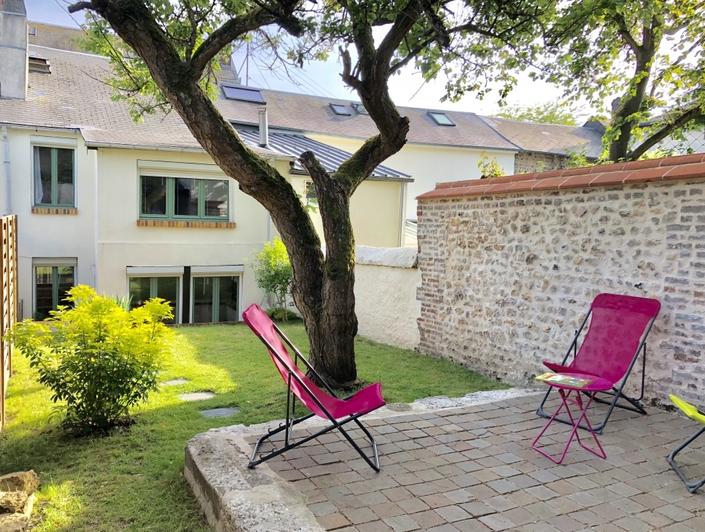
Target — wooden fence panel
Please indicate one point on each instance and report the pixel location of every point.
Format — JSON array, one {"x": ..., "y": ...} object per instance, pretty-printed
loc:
[{"x": 8, "y": 301}]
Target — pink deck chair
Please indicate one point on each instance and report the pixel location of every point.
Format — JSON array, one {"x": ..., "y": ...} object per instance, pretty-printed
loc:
[
  {"x": 323, "y": 404},
  {"x": 616, "y": 336}
]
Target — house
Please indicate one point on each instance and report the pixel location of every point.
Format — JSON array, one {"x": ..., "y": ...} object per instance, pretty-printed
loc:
[{"x": 139, "y": 209}]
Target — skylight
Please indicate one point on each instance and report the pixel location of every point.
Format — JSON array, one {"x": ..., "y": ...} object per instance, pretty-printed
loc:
[
  {"x": 441, "y": 119},
  {"x": 360, "y": 108},
  {"x": 340, "y": 110},
  {"x": 244, "y": 94}
]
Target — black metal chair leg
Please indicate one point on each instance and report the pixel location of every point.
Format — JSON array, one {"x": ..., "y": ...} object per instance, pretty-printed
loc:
[{"x": 692, "y": 486}]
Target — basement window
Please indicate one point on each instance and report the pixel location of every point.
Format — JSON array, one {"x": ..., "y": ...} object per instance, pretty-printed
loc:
[
  {"x": 340, "y": 110},
  {"x": 243, "y": 94},
  {"x": 441, "y": 119}
]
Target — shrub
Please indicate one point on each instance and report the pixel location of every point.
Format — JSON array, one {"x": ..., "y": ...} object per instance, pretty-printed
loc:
[
  {"x": 282, "y": 314},
  {"x": 489, "y": 167},
  {"x": 273, "y": 271},
  {"x": 96, "y": 356}
]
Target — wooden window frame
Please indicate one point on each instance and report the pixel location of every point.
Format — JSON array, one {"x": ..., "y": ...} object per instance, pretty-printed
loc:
[
  {"x": 171, "y": 200},
  {"x": 54, "y": 161}
]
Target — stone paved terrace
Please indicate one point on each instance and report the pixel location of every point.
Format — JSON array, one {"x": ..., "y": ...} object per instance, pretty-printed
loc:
[{"x": 473, "y": 469}]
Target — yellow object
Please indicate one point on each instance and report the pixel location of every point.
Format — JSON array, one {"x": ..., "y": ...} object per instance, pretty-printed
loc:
[{"x": 689, "y": 410}]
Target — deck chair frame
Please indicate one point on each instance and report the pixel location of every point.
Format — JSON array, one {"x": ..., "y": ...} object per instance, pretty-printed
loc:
[
  {"x": 692, "y": 486},
  {"x": 634, "y": 404},
  {"x": 291, "y": 419}
]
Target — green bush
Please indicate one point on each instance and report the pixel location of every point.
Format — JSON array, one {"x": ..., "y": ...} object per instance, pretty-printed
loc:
[
  {"x": 97, "y": 357},
  {"x": 273, "y": 271},
  {"x": 282, "y": 314}
]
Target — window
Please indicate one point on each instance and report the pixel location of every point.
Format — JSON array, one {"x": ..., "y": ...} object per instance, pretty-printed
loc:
[
  {"x": 243, "y": 94},
  {"x": 51, "y": 285},
  {"x": 360, "y": 109},
  {"x": 311, "y": 197},
  {"x": 441, "y": 119},
  {"x": 53, "y": 176},
  {"x": 144, "y": 288},
  {"x": 340, "y": 110},
  {"x": 215, "y": 299},
  {"x": 179, "y": 197}
]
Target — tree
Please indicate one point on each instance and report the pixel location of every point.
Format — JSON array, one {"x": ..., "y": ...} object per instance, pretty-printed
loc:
[
  {"x": 547, "y": 113},
  {"x": 164, "y": 54},
  {"x": 647, "y": 56},
  {"x": 273, "y": 271}
]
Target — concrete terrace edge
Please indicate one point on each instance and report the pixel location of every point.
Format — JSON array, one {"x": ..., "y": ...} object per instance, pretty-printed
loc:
[{"x": 234, "y": 498}]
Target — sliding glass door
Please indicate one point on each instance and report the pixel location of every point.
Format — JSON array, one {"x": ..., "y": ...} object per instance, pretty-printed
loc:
[{"x": 215, "y": 299}]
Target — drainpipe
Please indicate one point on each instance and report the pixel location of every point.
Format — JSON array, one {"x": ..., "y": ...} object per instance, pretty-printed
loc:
[
  {"x": 5, "y": 198},
  {"x": 263, "y": 128}
]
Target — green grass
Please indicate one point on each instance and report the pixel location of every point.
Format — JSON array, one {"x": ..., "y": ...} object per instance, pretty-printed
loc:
[{"x": 132, "y": 479}]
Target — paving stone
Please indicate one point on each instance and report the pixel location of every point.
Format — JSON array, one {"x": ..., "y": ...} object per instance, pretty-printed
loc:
[
  {"x": 452, "y": 513},
  {"x": 220, "y": 412},
  {"x": 175, "y": 382},
  {"x": 196, "y": 396}
]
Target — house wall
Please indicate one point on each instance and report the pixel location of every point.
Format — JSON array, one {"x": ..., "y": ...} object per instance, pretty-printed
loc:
[
  {"x": 386, "y": 281},
  {"x": 429, "y": 164},
  {"x": 527, "y": 162},
  {"x": 123, "y": 243},
  {"x": 51, "y": 235},
  {"x": 507, "y": 279},
  {"x": 375, "y": 211}
]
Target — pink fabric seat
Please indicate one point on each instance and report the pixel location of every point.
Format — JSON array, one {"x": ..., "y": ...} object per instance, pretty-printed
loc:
[{"x": 319, "y": 402}]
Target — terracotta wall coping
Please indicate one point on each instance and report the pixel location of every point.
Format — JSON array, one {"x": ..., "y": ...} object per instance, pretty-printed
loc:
[{"x": 664, "y": 169}]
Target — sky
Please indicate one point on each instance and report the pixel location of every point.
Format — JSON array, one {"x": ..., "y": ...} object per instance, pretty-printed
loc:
[{"x": 323, "y": 78}]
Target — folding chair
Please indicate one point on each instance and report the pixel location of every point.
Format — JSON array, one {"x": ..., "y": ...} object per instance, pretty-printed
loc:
[
  {"x": 323, "y": 404},
  {"x": 616, "y": 336},
  {"x": 693, "y": 413}
]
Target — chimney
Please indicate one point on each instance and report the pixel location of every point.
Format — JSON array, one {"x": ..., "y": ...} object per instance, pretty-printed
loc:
[
  {"x": 263, "y": 128},
  {"x": 13, "y": 49}
]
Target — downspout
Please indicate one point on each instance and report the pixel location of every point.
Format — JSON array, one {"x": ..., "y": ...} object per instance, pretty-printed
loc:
[{"x": 5, "y": 198}]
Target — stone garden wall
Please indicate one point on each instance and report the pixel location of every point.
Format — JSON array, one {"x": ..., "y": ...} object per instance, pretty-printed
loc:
[{"x": 509, "y": 268}]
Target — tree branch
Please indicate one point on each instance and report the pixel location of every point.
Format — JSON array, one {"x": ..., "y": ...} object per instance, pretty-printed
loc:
[
  {"x": 239, "y": 26},
  {"x": 690, "y": 114}
]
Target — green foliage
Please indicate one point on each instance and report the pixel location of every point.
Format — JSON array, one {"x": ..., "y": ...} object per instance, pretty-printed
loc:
[
  {"x": 578, "y": 159},
  {"x": 613, "y": 51},
  {"x": 547, "y": 113},
  {"x": 489, "y": 167},
  {"x": 95, "y": 356},
  {"x": 282, "y": 314},
  {"x": 273, "y": 270}
]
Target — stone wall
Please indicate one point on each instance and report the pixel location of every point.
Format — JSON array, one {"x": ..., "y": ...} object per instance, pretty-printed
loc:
[
  {"x": 507, "y": 278},
  {"x": 386, "y": 280},
  {"x": 528, "y": 161}
]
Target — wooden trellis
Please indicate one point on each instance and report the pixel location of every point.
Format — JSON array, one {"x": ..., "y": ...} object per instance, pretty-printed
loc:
[{"x": 8, "y": 300}]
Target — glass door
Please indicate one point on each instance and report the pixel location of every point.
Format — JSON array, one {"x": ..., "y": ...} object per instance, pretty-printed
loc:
[{"x": 215, "y": 299}]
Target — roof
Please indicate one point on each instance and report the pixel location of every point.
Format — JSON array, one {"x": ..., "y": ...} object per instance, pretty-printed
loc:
[
  {"x": 308, "y": 113},
  {"x": 75, "y": 96},
  {"x": 665, "y": 169},
  {"x": 329, "y": 156},
  {"x": 548, "y": 138}
]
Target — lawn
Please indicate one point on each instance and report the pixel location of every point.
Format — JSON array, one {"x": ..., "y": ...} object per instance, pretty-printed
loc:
[{"x": 132, "y": 479}]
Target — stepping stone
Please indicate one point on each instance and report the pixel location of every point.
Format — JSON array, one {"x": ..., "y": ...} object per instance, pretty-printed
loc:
[
  {"x": 196, "y": 396},
  {"x": 220, "y": 412},
  {"x": 175, "y": 382}
]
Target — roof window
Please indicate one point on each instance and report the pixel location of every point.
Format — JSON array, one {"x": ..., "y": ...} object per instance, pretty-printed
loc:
[
  {"x": 244, "y": 94},
  {"x": 38, "y": 64},
  {"x": 441, "y": 119},
  {"x": 360, "y": 109},
  {"x": 340, "y": 109}
]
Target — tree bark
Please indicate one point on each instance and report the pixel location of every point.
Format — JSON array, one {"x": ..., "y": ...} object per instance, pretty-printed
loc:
[
  {"x": 323, "y": 287},
  {"x": 633, "y": 99}
]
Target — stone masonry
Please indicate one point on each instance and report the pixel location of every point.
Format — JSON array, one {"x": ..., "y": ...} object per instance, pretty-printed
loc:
[
  {"x": 508, "y": 277},
  {"x": 531, "y": 161}
]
